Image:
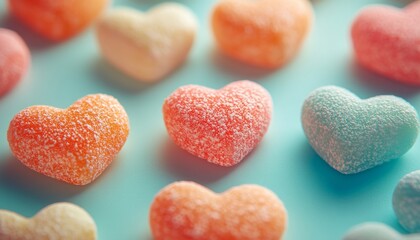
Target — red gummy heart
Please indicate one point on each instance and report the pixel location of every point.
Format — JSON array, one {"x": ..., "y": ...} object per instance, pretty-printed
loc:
[
  {"x": 387, "y": 41},
  {"x": 221, "y": 126},
  {"x": 74, "y": 145},
  {"x": 186, "y": 211}
]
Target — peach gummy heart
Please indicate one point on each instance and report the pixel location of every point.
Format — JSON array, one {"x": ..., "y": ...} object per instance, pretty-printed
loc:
[
  {"x": 221, "y": 126},
  {"x": 265, "y": 33},
  {"x": 147, "y": 46},
  {"x": 186, "y": 211},
  {"x": 14, "y": 60},
  {"x": 74, "y": 145},
  {"x": 59, "y": 221},
  {"x": 57, "y": 20}
]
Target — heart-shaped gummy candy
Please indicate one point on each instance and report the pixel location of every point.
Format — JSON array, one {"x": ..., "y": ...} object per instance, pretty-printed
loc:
[
  {"x": 147, "y": 46},
  {"x": 387, "y": 40},
  {"x": 186, "y": 210},
  {"x": 56, "y": 221},
  {"x": 221, "y": 126},
  {"x": 353, "y": 135},
  {"x": 74, "y": 145}
]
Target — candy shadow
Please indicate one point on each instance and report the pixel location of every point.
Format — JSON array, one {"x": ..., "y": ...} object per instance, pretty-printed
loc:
[
  {"x": 18, "y": 177},
  {"x": 33, "y": 40},
  {"x": 114, "y": 78},
  {"x": 153, "y": 3},
  {"x": 380, "y": 84},
  {"x": 191, "y": 168},
  {"x": 239, "y": 70},
  {"x": 337, "y": 183},
  {"x": 145, "y": 236}
]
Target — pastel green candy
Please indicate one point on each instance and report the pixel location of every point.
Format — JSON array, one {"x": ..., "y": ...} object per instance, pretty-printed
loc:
[
  {"x": 376, "y": 231},
  {"x": 353, "y": 135},
  {"x": 406, "y": 202}
]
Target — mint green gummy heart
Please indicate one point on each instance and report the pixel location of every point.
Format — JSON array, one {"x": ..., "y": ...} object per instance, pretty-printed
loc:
[
  {"x": 376, "y": 231},
  {"x": 353, "y": 135}
]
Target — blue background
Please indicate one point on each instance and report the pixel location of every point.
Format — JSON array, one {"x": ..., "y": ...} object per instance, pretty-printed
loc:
[{"x": 322, "y": 203}]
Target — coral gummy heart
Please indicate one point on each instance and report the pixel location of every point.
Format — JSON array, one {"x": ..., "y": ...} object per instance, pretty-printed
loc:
[
  {"x": 376, "y": 231},
  {"x": 353, "y": 135},
  {"x": 148, "y": 46},
  {"x": 265, "y": 33},
  {"x": 186, "y": 210},
  {"x": 406, "y": 202},
  {"x": 14, "y": 60},
  {"x": 387, "y": 41},
  {"x": 74, "y": 145},
  {"x": 57, "y": 20},
  {"x": 221, "y": 126},
  {"x": 63, "y": 221}
]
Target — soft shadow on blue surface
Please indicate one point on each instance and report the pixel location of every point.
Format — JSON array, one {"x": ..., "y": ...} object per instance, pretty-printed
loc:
[
  {"x": 114, "y": 78},
  {"x": 16, "y": 176},
  {"x": 337, "y": 183},
  {"x": 156, "y": 2},
  {"x": 239, "y": 70},
  {"x": 191, "y": 168},
  {"x": 381, "y": 84},
  {"x": 32, "y": 39}
]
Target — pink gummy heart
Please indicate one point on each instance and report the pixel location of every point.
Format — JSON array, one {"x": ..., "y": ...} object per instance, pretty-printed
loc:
[
  {"x": 14, "y": 60},
  {"x": 221, "y": 126},
  {"x": 387, "y": 40}
]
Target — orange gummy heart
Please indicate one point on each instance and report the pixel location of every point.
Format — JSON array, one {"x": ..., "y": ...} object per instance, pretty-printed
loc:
[
  {"x": 74, "y": 145},
  {"x": 57, "y": 20},
  {"x": 264, "y": 33},
  {"x": 186, "y": 211}
]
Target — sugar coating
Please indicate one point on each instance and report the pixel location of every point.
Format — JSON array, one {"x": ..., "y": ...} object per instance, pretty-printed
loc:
[
  {"x": 387, "y": 41},
  {"x": 376, "y": 231},
  {"x": 57, "y": 20},
  {"x": 221, "y": 126},
  {"x": 147, "y": 46},
  {"x": 406, "y": 202},
  {"x": 187, "y": 211},
  {"x": 265, "y": 33},
  {"x": 74, "y": 145},
  {"x": 14, "y": 60},
  {"x": 59, "y": 221},
  {"x": 353, "y": 135}
]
